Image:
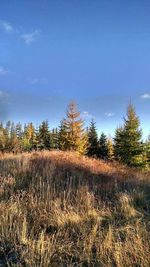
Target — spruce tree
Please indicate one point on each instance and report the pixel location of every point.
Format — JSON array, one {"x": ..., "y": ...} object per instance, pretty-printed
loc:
[
  {"x": 62, "y": 136},
  {"x": 44, "y": 136},
  {"x": 92, "y": 140},
  {"x": 54, "y": 138},
  {"x": 4, "y": 138},
  {"x": 103, "y": 148},
  {"x": 14, "y": 139},
  {"x": 128, "y": 144},
  {"x": 118, "y": 144},
  {"x": 76, "y": 136},
  {"x": 147, "y": 151}
]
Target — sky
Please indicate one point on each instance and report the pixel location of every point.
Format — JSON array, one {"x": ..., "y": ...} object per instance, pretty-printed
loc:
[{"x": 95, "y": 52}]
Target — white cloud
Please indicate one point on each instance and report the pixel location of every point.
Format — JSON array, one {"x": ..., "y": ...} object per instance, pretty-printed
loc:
[
  {"x": 30, "y": 37},
  {"x": 145, "y": 96},
  {"x": 38, "y": 81},
  {"x": 3, "y": 71},
  {"x": 87, "y": 115},
  {"x": 27, "y": 37},
  {"x": 109, "y": 114},
  {"x": 7, "y": 27}
]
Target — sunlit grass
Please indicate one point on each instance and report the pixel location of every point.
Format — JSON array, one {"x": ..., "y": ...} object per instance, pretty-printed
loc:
[{"x": 61, "y": 209}]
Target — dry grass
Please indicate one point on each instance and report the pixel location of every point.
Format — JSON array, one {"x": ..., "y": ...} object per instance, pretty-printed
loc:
[{"x": 61, "y": 209}]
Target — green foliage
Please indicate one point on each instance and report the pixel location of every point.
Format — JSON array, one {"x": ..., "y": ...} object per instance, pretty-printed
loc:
[
  {"x": 9, "y": 141},
  {"x": 118, "y": 144},
  {"x": 54, "y": 142},
  {"x": 4, "y": 138},
  {"x": 128, "y": 144},
  {"x": 44, "y": 136},
  {"x": 127, "y": 147},
  {"x": 92, "y": 140},
  {"x": 14, "y": 140},
  {"x": 103, "y": 147},
  {"x": 147, "y": 151},
  {"x": 62, "y": 136}
]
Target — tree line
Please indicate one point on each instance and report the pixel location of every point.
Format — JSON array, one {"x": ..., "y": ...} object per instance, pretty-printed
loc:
[{"x": 127, "y": 145}]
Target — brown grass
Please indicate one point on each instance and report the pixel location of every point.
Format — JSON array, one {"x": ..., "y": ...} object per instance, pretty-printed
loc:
[{"x": 62, "y": 209}]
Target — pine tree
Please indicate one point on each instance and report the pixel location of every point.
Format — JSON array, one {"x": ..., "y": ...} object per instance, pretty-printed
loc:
[
  {"x": 147, "y": 151},
  {"x": 14, "y": 141},
  {"x": 19, "y": 130},
  {"x": 92, "y": 140},
  {"x": 103, "y": 148},
  {"x": 19, "y": 135},
  {"x": 8, "y": 127},
  {"x": 76, "y": 136},
  {"x": 44, "y": 136},
  {"x": 62, "y": 136},
  {"x": 3, "y": 138},
  {"x": 118, "y": 144},
  {"x": 128, "y": 144},
  {"x": 54, "y": 138},
  {"x": 25, "y": 140}
]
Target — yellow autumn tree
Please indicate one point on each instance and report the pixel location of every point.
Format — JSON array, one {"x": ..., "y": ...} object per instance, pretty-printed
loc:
[{"x": 76, "y": 138}]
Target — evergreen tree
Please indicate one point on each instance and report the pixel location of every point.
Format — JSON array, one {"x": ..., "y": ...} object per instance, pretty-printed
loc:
[
  {"x": 76, "y": 136},
  {"x": 118, "y": 144},
  {"x": 92, "y": 140},
  {"x": 3, "y": 138},
  {"x": 25, "y": 140},
  {"x": 14, "y": 140},
  {"x": 147, "y": 151},
  {"x": 44, "y": 136},
  {"x": 103, "y": 148},
  {"x": 8, "y": 127},
  {"x": 128, "y": 144},
  {"x": 19, "y": 130},
  {"x": 19, "y": 136},
  {"x": 54, "y": 138},
  {"x": 62, "y": 136}
]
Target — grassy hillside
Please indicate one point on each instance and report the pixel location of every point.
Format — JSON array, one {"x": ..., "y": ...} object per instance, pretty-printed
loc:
[{"x": 61, "y": 209}]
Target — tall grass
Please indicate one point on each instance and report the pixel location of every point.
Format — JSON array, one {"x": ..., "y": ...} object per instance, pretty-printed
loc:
[{"x": 61, "y": 209}]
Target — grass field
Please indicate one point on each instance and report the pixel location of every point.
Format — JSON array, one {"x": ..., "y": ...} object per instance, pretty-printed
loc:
[{"x": 62, "y": 209}]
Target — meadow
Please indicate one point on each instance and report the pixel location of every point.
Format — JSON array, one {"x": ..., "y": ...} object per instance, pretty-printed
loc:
[{"x": 61, "y": 209}]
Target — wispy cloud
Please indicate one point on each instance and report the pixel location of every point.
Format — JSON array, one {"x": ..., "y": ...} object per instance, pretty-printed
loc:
[
  {"x": 109, "y": 114},
  {"x": 30, "y": 37},
  {"x": 3, "y": 71},
  {"x": 87, "y": 115},
  {"x": 38, "y": 81},
  {"x": 145, "y": 96},
  {"x": 7, "y": 26}
]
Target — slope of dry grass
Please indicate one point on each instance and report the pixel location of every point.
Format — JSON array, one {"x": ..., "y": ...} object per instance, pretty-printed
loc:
[{"x": 61, "y": 209}]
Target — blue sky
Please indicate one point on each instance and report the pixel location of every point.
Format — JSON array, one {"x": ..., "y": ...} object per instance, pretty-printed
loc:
[{"x": 94, "y": 52}]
